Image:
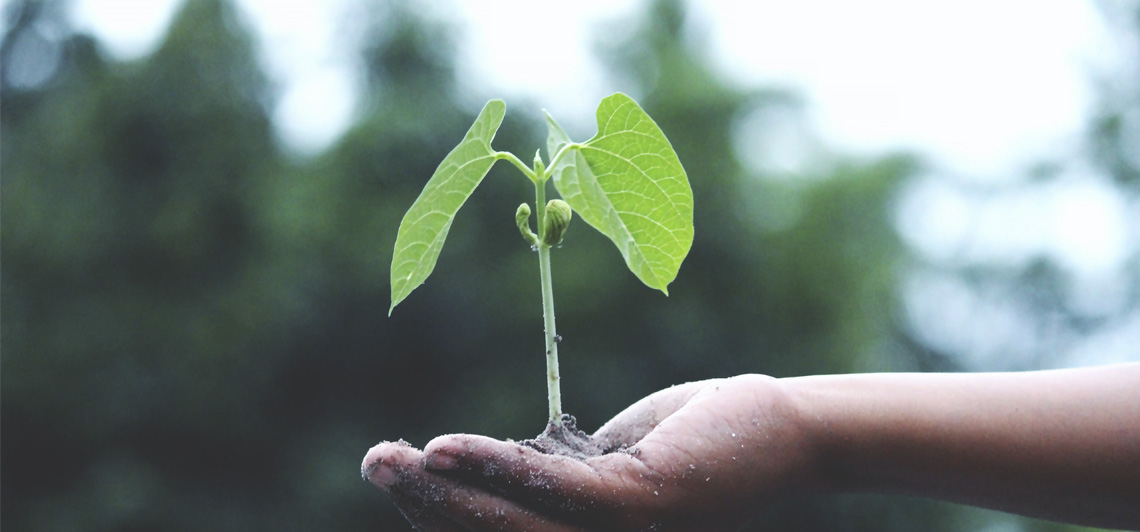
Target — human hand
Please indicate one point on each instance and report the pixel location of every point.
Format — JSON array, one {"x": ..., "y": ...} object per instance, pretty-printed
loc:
[{"x": 706, "y": 455}]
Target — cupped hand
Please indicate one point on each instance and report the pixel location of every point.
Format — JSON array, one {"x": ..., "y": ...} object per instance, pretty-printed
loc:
[{"x": 706, "y": 455}]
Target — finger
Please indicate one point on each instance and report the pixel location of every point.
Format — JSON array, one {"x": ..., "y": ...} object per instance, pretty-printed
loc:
[
  {"x": 434, "y": 503},
  {"x": 392, "y": 467},
  {"x": 639, "y": 419},
  {"x": 578, "y": 492}
]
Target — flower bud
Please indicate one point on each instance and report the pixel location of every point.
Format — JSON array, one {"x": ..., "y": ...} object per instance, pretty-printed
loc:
[{"x": 554, "y": 225}]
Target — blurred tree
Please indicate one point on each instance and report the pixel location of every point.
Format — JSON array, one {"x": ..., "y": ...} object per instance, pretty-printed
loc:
[
  {"x": 1115, "y": 127},
  {"x": 1076, "y": 299},
  {"x": 188, "y": 318},
  {"x": 134, "y": 318},
  {"x": 194, "y": 324}
]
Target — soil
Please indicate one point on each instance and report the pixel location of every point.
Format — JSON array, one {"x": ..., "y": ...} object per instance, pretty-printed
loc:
[{"x": 567, "y": 440}]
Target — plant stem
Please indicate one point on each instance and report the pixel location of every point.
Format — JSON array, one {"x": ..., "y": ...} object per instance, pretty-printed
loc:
[
  {"x": 511, "y": 158},
  {"x": 553, "y": 391}
]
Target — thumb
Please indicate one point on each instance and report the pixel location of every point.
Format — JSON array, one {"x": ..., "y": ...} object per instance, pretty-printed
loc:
[{"x": 639, "y": 419}]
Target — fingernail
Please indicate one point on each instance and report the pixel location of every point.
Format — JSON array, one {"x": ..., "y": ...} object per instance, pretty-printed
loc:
[
  {"x": 380, "y": 474},
  {"x": 441, "y": 462}
]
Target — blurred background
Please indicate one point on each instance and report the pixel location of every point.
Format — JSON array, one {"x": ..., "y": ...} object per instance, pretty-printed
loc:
[{"x": 200, "y": 200}]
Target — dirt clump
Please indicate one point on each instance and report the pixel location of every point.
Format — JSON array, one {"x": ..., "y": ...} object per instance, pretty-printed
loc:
[{"x": 568, "y": 440}]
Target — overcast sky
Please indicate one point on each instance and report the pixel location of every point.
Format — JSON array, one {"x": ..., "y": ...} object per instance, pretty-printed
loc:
[
  {"x": 984, "y": 89},
  {"x": 981, "y": 86}
]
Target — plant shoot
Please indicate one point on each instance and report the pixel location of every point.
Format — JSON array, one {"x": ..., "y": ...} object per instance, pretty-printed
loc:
[{"x": 626, "y": 182}]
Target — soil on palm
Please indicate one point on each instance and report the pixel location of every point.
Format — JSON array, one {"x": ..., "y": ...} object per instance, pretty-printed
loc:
[{"x": 567, "y": 440}]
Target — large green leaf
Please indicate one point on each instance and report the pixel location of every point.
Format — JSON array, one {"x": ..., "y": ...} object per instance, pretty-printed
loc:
[
  {"x": 628, "y": 183},
  {"x": 425, "y": 226}
]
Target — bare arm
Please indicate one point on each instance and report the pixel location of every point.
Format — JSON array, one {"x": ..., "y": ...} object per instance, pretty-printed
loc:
[
  {"x": 710, "y": 455},
  {"x": 1062, "y": 445}
]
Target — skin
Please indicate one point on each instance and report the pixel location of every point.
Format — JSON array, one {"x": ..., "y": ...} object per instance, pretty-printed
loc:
[{"x": 710, "y": 455}]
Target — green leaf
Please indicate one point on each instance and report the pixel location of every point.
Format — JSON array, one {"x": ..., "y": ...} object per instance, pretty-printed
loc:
[
  {"x": 425, "y": 226},
  {"x": 628, "y": 183}
]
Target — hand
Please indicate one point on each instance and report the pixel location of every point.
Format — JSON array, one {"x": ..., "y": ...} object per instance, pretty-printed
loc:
[{"x": 701, "y": 456}]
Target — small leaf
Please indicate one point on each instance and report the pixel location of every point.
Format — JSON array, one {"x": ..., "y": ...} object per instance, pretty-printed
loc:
[
  {"x": 628, "y": 183},
  {"x": 558, "y": 215},
  {"x": 425, "y": 226},
  {"x": 522, "y": 219}
]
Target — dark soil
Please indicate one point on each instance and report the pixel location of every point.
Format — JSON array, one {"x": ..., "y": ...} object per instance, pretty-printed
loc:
[{"x": 567, "y": 440}]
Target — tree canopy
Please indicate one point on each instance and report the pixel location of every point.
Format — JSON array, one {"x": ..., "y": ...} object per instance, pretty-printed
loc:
[{"x": 195, "y": 330}]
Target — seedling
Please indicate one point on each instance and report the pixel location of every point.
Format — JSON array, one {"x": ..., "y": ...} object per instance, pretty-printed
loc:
[{"x": 626, "y": 182}]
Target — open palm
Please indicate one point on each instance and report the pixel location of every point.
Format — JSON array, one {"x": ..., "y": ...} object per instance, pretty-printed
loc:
[{"x": 700, "y": 456}]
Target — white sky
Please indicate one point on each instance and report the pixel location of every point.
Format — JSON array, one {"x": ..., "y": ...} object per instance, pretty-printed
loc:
[{"x": 981, "y": 86}]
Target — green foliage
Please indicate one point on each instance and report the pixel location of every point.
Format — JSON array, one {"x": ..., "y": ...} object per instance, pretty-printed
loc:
[
  {"x": 628, "y": 183},
  {"x": 425, "y": 226},
  {"x": 522, "y": 220}
]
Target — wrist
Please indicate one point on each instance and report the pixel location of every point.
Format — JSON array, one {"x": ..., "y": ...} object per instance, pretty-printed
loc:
[
  {"x": 820, "y": 424},
  {"x": 787, "y": 432}
]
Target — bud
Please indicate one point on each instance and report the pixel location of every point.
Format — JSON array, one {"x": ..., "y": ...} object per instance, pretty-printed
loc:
[
  {"x": 539, "y": 167},
  {"x": 554, "y": 225},
  {"x": 522, "y": 219}
]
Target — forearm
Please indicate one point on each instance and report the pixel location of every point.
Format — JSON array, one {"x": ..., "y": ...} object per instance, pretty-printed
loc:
[{"x": 1061, "y": 445}]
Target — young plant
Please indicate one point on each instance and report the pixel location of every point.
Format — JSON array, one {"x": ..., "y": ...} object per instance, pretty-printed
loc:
[{"x": 626, "y": 182}]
